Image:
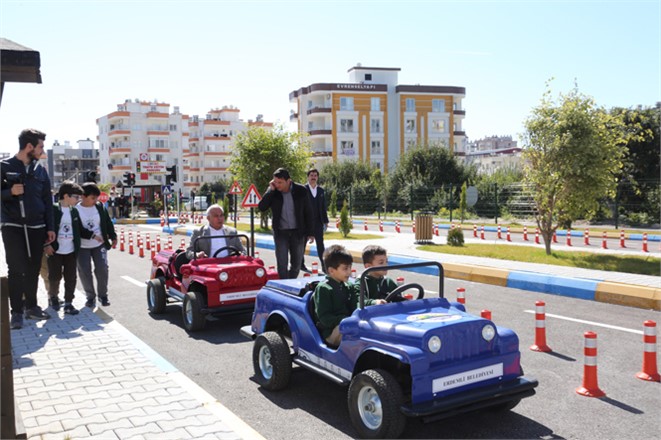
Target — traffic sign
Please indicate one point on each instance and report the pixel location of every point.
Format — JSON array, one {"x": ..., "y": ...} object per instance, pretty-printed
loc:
[
  {"x": 103, "y": 197},
  {"x": 166, "y": 189},
  {"x": 236, "y": 188},
  {"x": 252, "y": 197}
]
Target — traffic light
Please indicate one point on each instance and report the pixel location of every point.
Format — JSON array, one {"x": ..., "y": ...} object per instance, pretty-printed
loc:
[
  {"x": 129, "y": 178},
  {"x": 172, "y": 177},
  {"x": 90, "y": 176}
]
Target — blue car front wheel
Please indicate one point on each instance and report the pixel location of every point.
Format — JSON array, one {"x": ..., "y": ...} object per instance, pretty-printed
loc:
[{"x": 271, "y": 361}]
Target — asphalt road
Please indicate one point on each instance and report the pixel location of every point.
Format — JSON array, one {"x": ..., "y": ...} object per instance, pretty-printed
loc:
[{"x": 219, "y": 359}]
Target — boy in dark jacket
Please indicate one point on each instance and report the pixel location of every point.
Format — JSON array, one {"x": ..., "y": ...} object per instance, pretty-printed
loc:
[
  {"x": 95, "y": 217},
  {"x": 334, "y": 299},
  {"x": 63, "y": 252},
  {"x": 377, "y": 284}
]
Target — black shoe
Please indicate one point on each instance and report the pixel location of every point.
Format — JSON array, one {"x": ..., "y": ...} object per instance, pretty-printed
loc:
[
  {"x": 36, "y": 313},
  {"x": 104, "y": 301},
  {"x": 16, "y": 321},
  {"x": 305, "y": 269},
  {"x": 54, "y": 303},
  {"x": 90, "y": 303},
  {"x": 70, "y": 310}
]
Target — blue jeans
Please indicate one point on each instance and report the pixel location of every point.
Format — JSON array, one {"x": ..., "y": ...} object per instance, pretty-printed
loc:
[{"x": 289, "y": 245}]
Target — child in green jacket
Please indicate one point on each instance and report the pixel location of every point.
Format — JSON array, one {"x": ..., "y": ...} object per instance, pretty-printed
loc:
[
  {"x": 378, "y": 284},
  {"x": 62, "y": 253},
  {"x": 334, "y": 299}
]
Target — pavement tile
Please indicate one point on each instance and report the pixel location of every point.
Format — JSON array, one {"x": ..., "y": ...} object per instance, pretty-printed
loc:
[
  {"x": 124, "y": 414},
  {"x": 146, "y": 419},
  {"x": 175, "y": 422},
  {"x": 104, "y": 435},
  {"x": 139, "y": 430},
  {"x": 179, "y": 433},
  {"x": 52, "y": 427},
  {"x": 75, "y": 423},
  {"x": 101, "y": 428},
  {"x": 158, "y": 408},
  {"x": 40, "y": 402},
  {"x": 129, "y": 388},
  {"x": 91, "y": 396},
  {"x": 98, "y": 409},
  {"x": 146, "y": 403}
]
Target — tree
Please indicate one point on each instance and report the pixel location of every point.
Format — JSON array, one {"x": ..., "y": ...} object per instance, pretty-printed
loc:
[
  {"x": 573, "y": 150},
  {"x": 258, "y": 152},
  {"x": 345, "y": 222},
  {"x": 333, "y": 204},
  {"x": 462, "y": 202}
]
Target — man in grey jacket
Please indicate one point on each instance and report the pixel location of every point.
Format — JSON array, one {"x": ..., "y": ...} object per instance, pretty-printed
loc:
[{"x": 215, "y": 227}]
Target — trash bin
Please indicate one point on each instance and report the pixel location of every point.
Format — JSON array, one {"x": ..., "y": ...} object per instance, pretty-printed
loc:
[{"x": 423, "y": 228}]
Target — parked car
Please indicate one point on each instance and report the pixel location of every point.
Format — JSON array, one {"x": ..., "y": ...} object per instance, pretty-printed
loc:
[
  {"x": 199, "y": 203},
  {"x": 206, "y": 286},
  {"x": 425, "y": 357}
]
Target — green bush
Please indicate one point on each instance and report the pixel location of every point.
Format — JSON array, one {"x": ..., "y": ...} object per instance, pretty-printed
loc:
[
  {"x": 456, "y": 237},
  {"x": 345, "y": 222}
]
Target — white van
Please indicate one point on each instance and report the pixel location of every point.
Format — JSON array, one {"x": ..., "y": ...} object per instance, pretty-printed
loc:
[{"x": 199, "y": 204}]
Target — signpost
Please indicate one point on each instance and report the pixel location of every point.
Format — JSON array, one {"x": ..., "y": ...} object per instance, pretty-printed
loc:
[
  {"x": 251, "y": 200},
  {"x": 235, "y": 190},
  {"x": 166, "y": 190}
]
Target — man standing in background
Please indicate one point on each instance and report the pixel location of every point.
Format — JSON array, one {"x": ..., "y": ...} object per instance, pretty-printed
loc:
[{"x": 319, "y": 215}]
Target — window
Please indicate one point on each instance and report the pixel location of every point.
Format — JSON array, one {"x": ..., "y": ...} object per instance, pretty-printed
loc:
[
  {"x": 346, "y": 103},
  {"x": 173, "y": 127},
  {"x": 346, "y": 125},
  {"x": 410, "y": 144},
  {"x": 438, "y": 125},
  {"x": 376, "y": 104},
  {"x": 376, "y": 148},
  {"x": 438, "y": 105},
  {"x": 410, "y": 104},
  {"x": 409, "y": 126},
  {"x": 347, "y": 148},
  {"x": 368, "y": 77},
  {"x": 157, "y": 143},
  {"x": 375, "y": 126}
]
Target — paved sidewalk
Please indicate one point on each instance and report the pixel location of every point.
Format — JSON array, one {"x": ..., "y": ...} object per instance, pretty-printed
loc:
[{"x": 86, "y": 376}]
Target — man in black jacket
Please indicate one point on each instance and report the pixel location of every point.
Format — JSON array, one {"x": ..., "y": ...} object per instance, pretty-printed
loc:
[
  {"x": 27, "y": 223},
  {"x": 292, "y": 221},
  {"x": 319, "y": 214}
]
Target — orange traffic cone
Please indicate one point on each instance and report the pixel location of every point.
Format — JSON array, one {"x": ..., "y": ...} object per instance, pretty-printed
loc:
[
  {"x": 649, "y": 371},
  {"x": 590, "y": 387},
  {"x": 540, "y": 328}
]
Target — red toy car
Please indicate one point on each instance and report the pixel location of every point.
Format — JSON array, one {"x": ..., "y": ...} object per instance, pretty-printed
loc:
[{"x": 206, "y": 286}]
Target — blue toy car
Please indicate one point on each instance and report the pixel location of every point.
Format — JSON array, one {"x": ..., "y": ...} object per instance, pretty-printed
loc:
[{"x": 424, "y": 357}]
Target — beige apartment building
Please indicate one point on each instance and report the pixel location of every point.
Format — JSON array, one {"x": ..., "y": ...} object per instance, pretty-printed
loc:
[
  {"x": 146, "y": 138},
  {"x": 372, "y": 118}
]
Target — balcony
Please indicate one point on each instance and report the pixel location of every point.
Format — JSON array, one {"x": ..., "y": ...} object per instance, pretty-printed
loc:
[
  {"x": 320, "y": 132},
  {"x": 376, "y": 151},
  {"x": 293, "y": 116},
  {"x": 349, "y": 151},
  {"x": 459, "y": 133},
  {"x": 319, "y": 110},
  {"x": 459, "y": 112}
]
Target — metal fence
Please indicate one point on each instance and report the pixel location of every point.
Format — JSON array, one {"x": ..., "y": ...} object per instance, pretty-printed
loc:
[{"x": 632, "y": 205}]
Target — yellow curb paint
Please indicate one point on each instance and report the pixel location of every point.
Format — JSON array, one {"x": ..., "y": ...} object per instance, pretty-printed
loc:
[{"x": 629, "y": 295}]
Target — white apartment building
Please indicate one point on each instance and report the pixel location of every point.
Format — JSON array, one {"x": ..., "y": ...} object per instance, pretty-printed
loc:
[
  {"x": 372, "y": 118},
  {"x": 492, "y": 153},
  {"x": 145, "y": 137}
]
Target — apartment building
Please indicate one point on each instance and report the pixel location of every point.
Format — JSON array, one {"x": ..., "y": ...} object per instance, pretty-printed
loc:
[
  {"x": 492, "y": 153},
  {"x": 145, "y": 138},
  {"x": 372, "y": 118},
  {"x": 65, "y": 162}
]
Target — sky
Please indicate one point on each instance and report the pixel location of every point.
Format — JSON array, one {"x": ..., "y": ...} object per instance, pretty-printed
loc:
[{"x": 200, "y": 55}]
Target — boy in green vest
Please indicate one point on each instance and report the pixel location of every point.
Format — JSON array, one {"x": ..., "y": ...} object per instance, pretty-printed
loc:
[
  {"x": 62, "y": 253},
  {"x": 334, "y": 299},
  {"x": 377, "y": 284},
  {"x": 95, "y": 217}
]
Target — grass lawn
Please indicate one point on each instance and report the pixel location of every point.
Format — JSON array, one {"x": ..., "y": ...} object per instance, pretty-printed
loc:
[{"x": 615, "y": 263}]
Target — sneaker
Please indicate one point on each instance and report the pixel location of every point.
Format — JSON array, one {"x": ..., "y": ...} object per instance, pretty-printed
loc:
[
  {"x": 90, "y": 303},
  {"x": 16, "y": 321},
  {"x": 36, "y": 313},
  {"x": 54, "y": 302},
  {"x": 104, "y": 301},
  {"x": 70, "y": 310}
]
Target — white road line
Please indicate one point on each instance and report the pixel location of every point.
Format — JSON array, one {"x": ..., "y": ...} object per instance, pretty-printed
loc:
[
  {"x": 613, "y": 327},
  {"x": 133, "y": 281}
]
